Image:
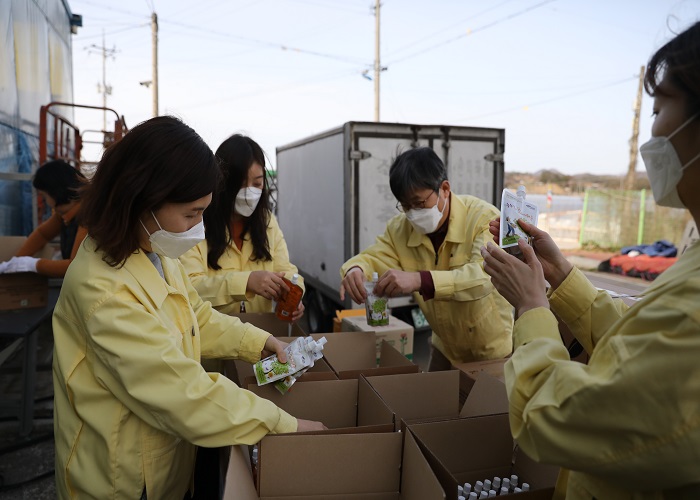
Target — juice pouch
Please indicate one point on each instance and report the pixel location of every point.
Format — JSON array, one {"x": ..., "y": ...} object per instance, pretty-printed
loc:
[
  {"x": 513, "y": 208},
  {"x": 285, "y": 384},
  {"x": 300, "y": 355},
  {"x": 375, "y": 306},
  {"x": 289, "y": 303}
]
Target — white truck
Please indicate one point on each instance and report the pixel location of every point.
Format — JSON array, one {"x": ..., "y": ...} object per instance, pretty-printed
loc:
[{"x": 333, "y": 196}]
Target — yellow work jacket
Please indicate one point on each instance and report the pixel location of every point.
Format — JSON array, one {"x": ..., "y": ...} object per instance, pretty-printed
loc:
[
  {"x": 469, "y": 319},
  {"x": 627, "y": 425},
  {"x": 131, "y": 399},
  {"x": 225, "y": 288}
]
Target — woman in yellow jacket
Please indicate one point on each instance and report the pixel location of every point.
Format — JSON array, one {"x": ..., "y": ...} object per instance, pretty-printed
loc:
[
  {"x": 58, "y": 183},
  {"x": 244, "y": 256},
  {"x": 131, "y": 397},
  {"x": 627, "y": 425}
]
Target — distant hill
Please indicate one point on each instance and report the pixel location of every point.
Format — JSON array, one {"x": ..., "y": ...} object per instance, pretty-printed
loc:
[{"x": 542, "y": 180}]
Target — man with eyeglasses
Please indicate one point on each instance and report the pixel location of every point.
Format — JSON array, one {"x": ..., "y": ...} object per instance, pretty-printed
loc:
[{"x": 432, "y": 250}]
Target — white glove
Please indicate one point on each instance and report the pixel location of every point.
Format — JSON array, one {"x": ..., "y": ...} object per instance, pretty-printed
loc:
[
  {"x": 3, "y": 266},
  {"x": 21, "y": 265}
]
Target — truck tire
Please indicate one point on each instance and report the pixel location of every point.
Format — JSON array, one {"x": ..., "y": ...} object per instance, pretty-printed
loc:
[{"x": 319, "y": 311}]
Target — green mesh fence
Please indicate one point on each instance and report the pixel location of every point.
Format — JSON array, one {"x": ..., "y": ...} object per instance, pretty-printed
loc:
[{"x": 613, "y": 219}]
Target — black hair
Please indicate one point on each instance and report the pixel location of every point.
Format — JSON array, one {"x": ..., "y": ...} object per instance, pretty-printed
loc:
[
  {"x": 418, "y": 168},
  {"x": 159, "y": 161},
  {"x": 235, "y": 156},
  {"x": 679, "y": 62},
  {"x": 59, "y": 180}
]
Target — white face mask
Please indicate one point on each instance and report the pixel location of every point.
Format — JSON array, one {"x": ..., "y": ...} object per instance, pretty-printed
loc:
[
  {"x": 664, "y": 168},
  {"x": 173, "y": 245},
  {"x": 426, "y": 220},
  {"x": 247, "y": 200}
]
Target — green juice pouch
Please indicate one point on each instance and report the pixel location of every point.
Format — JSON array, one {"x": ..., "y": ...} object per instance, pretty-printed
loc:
[
  {"x": 375, "y": 306},
  {"x": 300, "y": 355}
]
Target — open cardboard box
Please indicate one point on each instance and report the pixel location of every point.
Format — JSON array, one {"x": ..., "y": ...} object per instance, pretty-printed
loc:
[
  {"x": 22, "y": 290},
  {"x": 334, "y": 467},
  {"x": 397, "y": 333},
  {"x": 413, "y": 397},
  {"x": 270, "y": 323},
  {"x": 352, "y": 354},
  {"x": 473, "y": 449},
  {"x": 470, "y": 371}
]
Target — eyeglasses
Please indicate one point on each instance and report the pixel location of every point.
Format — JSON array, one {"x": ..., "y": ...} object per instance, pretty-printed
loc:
[{"x": 415, "y": 206}]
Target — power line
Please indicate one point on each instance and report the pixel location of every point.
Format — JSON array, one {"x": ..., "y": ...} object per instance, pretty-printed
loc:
[
  {"x": 441, "y": 31},
  {"x": 128, "y": 28},
  {"x": 113, "y": 9},
  {"x": 471, "y": 32},
  {"x": 553, "y": 99}
]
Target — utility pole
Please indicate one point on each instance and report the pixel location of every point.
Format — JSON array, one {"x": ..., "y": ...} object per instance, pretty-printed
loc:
[
  {"x": 377, "y": 63},
  {"x": 631, "y": 170},
  {"x": 103, "y": 88},
  {"x": 154, "y": 48}
]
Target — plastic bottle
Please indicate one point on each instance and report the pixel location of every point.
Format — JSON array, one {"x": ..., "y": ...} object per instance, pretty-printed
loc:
[
  {"x": 243, "y": 307},
  {"x": 375, "y": 306},
  {"x": 496, "y": 483},
  {"x": 506, "y": 483},
  {"x": 467, "y": 488},
  {"x": 478, "y": 486},
  {"x": 525, "y": 487},
  {"x": 504, "y": 491},
  {"x": 483, "y": 494},
  {"x": 487, "y": 484},
  {"x": 289, "y": 302},
  {"x": 473, "y": 496},
  {"x": 492, "y": 493},
  {"x": 514, "y": 480}
]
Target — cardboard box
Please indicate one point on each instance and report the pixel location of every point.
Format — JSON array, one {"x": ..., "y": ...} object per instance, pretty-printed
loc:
[
  {"x": 22, "y": 290},
  {"x": 339, "y": 404},
  {"x": 345, "y": 313},
  {"x": 473, "y": 449},
  {"x": 335, "y": 467},
  {"x": 270, "y": 323},
  {"x": 470, "y": 371},
  {"x": 352, "y": 354},
  {"x": 413, "y": 397},
  {"x": 397, "y": 333}
]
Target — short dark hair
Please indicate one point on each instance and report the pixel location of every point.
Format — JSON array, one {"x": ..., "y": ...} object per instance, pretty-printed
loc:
[
  {"x": 59, "y": 180},
  {"x": 678, "y": 61},
  {"x": 418, "y": 168},
  {"x": 159, "y": 161},
  {"x": 235, "y": 156}
]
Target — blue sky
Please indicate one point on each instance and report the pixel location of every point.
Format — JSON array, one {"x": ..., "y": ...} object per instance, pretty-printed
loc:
[{"x": 560, "y": 76}]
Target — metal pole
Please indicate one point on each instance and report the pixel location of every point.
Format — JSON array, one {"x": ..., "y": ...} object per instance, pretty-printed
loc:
[
  {"x": 154, "y": 36},
  {"x": 642, "y": 214},
  {"x": 583, "y": 218},
  {"x": 104, "y": 81},
  {"x": 377, "y": 63},
  {"x": 631, "y": 169}
]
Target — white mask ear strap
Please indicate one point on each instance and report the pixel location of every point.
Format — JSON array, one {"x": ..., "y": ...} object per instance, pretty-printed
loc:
[
  {"x": 683, "y": 126},
  {"x": 144, "y": 227},
  {"x": 154, "y": 218}
]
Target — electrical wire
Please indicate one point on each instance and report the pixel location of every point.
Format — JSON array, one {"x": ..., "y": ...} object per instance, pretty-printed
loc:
[
  {"x": 471, "y": 32},
  {"x": 547, "y": 101},
  {"x": 134, "y": 26}
]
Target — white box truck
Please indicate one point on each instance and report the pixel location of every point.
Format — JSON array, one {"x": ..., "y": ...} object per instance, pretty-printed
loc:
[{"x": 333, "y": 195}]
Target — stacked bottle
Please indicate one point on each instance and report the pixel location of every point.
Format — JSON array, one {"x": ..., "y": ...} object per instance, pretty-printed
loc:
[{"x": 490, "y": 488}]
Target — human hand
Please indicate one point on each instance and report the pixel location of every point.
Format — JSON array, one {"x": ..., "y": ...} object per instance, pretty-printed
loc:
[
  {"x": 267, "y": 284},
  {"x": 554, "y": 265},
  {"x": 310, "y": 425},
  {"x": 520, "y": 282},
  {"x": 354, "y": 283},
  {"x": 394, "y": 283},
  {"x": 20, "y": 265},
  {"x": 296, "y": 316},
  {"x": 3, "y": 266},
  {"x": 274, "y": 346}
]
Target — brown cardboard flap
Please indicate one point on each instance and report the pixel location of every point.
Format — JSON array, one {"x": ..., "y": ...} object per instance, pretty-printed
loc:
[
  {"x": 418, "y": 396},
  {"x": 493, "y": 367},
  {"x": 239, "y": 481},
  {"x": 463, "y": 445},
  {"x": 333, "y": 402},
  {"x": 538, "y": 475},
  {"x": 488, "y": 396},
  {"x": 350, "y": 350},
  {"x": 418, "y": 482},
  {"x": 270, "y": 323},
  {"x": 342, "y": 464},
  {"x": 371, "y": 409},
  {"x": 391, "y": 357}
]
